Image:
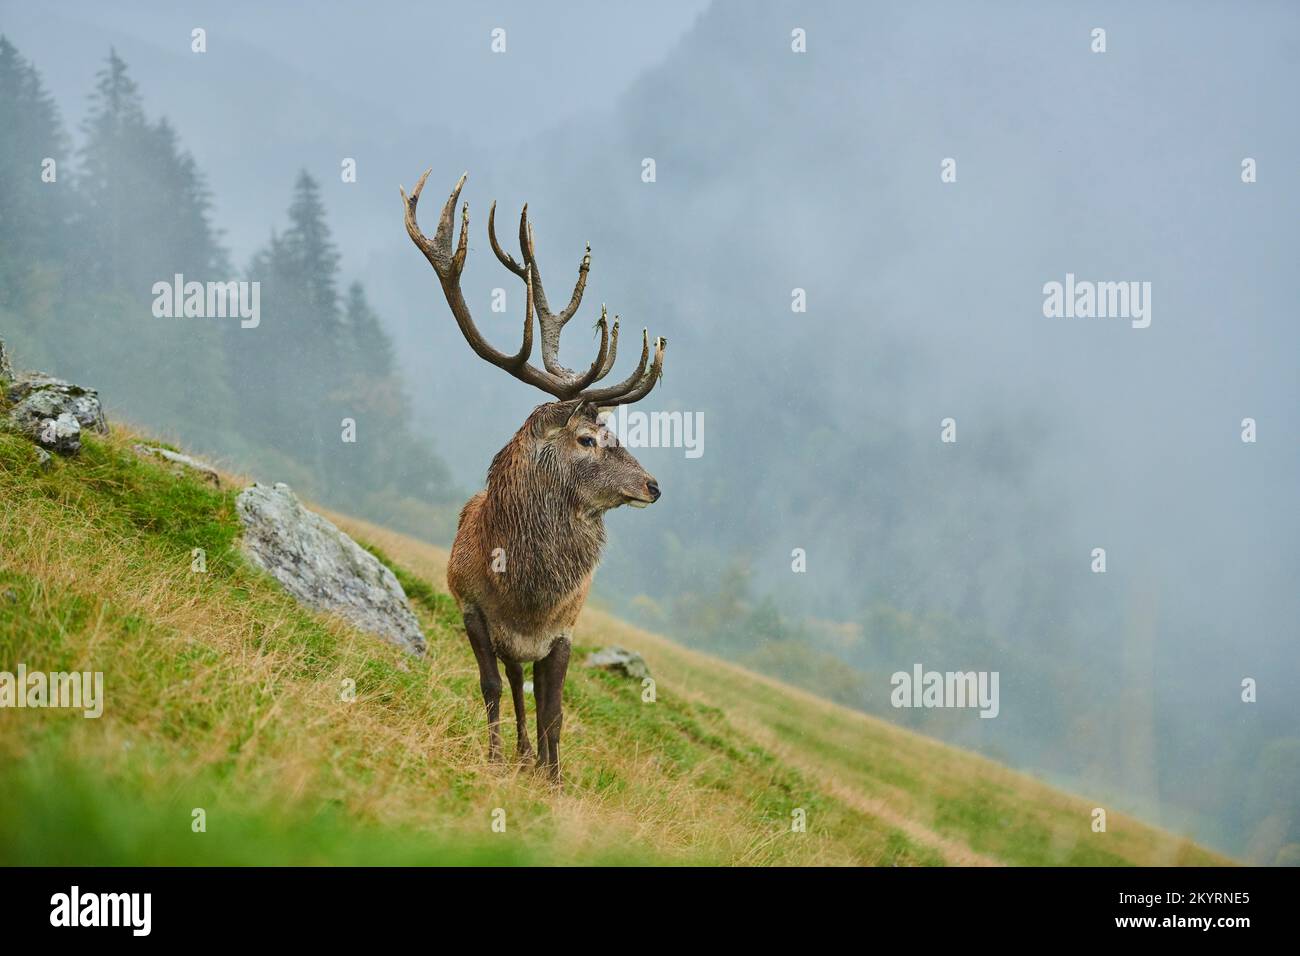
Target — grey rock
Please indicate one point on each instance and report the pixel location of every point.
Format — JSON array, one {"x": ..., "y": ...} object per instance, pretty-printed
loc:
[
  {"x": 322, "y": 567},
  {"x": 43, "y": 459},
  {"x": 38, "y": 399},
  {"x": 184, "y": 462},
  {"x": 615, "y": 658},
  {"x": 6, "y": 367},
  {"x": 61, "y": 433}
]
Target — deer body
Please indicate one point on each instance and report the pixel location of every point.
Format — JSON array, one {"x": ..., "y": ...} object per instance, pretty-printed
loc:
[
  {"x": 537, "y": 545},
  {"x": 527, "y": 546},
  {"x": 526, "y": 628}
]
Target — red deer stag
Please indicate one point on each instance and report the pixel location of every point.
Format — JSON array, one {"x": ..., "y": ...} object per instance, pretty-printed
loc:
[{"x": 527, "y": 545}]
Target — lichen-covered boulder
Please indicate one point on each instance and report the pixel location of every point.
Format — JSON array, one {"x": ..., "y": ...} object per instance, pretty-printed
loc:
[
  {"x": 322, "y": 567},
  {"x": 6, "y": 367},
  {"x": 41, "y": 406}
]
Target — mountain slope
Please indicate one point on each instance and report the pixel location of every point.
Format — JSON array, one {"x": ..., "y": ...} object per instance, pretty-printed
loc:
[{"x": 223, "y": 695}]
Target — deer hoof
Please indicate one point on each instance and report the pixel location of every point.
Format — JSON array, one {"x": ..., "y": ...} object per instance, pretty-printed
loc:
[{"x": 548, "y": 772}]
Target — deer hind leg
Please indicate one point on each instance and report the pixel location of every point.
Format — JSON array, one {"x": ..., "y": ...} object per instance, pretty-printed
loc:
[
  {"x": 489, "y": 676},
  {"x": 549, "y": 689},
  {"x": 515, "y": 672}
]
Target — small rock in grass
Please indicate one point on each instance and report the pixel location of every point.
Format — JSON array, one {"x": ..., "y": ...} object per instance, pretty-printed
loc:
[
  {"x": 185, "y": 462},
  {"x": 626, "y": 662}
]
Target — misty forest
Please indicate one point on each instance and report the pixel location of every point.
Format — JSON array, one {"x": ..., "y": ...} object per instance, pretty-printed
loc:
[{"x": 901, "y": 458}]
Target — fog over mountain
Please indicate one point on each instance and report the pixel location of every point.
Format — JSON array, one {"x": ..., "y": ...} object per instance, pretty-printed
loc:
[{"x": 820, "y": 171}]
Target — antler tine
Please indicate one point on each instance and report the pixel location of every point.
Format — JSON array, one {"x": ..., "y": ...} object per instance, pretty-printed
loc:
[
  {"x": 526, "y": 349},
  {"x": 429, "y": 247},
  {"x": 525, "y": 235},
  {"x": 648, "y": 381},
  {"x": 602, "y": 361},
  {"x": 530, "y": 259},
  {"x": 505, "y": 258},
  {"x": 611, "y": 394},
  {"x": 613, "y": 349},
  {"x": 579, "y": 287}
]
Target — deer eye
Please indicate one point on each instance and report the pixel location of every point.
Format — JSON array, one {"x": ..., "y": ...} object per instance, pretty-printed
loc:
[{"x": 587, "y": 440}]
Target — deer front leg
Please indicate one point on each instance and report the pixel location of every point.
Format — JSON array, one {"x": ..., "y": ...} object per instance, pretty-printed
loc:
[
  {"x": 540, "y": 698},
  {"x": 489, "y": 676},
  {"x": 550, "y": 712},
  {"x": 515, "y": 672}
]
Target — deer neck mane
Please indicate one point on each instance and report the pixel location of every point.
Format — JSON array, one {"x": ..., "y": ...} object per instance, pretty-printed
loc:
[{"x": 551, "y": 543}]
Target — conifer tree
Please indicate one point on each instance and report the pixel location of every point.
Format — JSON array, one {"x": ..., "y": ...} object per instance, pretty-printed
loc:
[
  {"x": 370, "y": 349},
  {"x": 143, "y": 215},
  {"x": 33, "y": 210}
]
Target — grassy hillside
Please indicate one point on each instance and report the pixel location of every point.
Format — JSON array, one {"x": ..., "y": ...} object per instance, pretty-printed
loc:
[{"x": 223, "y": 694}]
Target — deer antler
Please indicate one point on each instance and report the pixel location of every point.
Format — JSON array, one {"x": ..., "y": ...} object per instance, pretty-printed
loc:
[{"x": 553, "y": 378}]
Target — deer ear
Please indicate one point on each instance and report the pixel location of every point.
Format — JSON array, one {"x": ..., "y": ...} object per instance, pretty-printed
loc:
[
  {"x": 581, "y": 410},
  {"x": 550, "y": 419}
]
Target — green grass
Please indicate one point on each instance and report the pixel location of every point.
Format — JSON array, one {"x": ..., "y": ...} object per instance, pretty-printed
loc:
[
  {"x": 223, "y": 694},
  {"x": 102, "y": 822}
]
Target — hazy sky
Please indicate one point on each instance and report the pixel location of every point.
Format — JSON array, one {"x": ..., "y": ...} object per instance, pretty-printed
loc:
[{"x": 328, "y": 77}]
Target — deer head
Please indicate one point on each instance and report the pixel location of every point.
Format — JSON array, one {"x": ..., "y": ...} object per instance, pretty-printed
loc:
[
  {"x": 564, "y": 444},
  {"x": 570, "y": 456}
]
